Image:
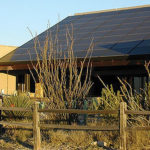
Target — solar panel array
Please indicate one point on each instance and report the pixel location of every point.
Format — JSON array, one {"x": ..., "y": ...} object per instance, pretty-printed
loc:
[{"x": 115, "y": 33}]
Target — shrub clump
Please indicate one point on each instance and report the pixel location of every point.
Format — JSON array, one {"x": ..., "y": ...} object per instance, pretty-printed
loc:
[{"x": 21, "y": 101}]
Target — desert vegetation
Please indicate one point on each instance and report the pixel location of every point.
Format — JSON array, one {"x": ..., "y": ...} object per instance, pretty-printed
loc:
[
  {"x": 60, "y": 73},
  {"x": 66, "y": 82},
  {"x": 22, "y": 101},
  {"x": 87, "y": 139}
]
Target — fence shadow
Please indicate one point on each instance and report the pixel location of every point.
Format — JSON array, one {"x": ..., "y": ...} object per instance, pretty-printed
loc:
[{"x": 25, "y": 144}]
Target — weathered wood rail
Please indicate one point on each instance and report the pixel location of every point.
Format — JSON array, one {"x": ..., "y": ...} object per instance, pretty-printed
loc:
[{"x": 36, "y": 125}]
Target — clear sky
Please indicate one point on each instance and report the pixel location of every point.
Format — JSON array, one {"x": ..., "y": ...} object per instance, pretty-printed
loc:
[{"x": 17, "y": 15}]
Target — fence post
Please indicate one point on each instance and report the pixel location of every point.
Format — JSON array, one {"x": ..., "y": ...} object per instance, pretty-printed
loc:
[
  {"x": 36, "y": 128},
  {"x": 0, "y": 106},
  {"x": 1, "y": 115},
  {"x": 123, "y": 125}
]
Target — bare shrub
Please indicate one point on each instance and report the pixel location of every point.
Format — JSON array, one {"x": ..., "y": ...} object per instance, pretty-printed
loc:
[
  {"x": 60, "y": 72},
  {"x": 136, "y": 101}
]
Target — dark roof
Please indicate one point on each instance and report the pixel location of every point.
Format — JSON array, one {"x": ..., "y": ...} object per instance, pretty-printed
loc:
[{"x": 120, "y": 32}]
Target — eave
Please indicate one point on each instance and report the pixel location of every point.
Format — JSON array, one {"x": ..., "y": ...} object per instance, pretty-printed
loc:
[{"x": 96, "y": 62}]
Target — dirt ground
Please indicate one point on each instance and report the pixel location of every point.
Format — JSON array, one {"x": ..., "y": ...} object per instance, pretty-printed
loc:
[{"x": 15, "y": 146}]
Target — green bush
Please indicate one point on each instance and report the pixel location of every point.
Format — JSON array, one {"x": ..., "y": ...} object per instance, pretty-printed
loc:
[
  {"x": 21, "y": 100},
  {"x": 110, "y": 98}
]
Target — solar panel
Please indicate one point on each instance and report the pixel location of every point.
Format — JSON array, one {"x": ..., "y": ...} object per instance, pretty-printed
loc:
[
  {"x": 126, "y": 44},
  {"x": 102, "y": 45},
  {"x": 142, "y": 13},
  {"x": 135, "y": 10},
  {"x": 21, "y": 58},
  {"x": 108, "y": 39},
  {"x": 145, "y": 43},
  {"x": 141, "y": 50},
  {"x": 124, "y": 50},
  {"x": 106, "y": 53},
  {"x": 146, "y": 24},
  {"x": 114, "y": 33}
]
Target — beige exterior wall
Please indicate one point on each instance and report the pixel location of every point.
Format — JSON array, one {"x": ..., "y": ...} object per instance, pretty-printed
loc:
[
  {"x": 4, "y": 50},
  {"x": 7, "y": 83}
]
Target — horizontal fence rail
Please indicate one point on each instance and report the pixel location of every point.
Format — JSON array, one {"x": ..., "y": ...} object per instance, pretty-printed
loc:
[
  {"x": 16, "y": 109},
  {"x": 137, "y": 128},
  {"x": 19, "y": 124},
  {"x": 77, "y": 127},
  {"x": 79, "y": 111},
  {"x": 132, "y": 112}
]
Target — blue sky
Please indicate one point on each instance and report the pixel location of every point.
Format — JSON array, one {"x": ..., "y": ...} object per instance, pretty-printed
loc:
[{"x": 17, "y": 15}]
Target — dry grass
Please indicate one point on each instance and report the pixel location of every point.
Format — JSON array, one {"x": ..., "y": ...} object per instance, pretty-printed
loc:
[
  {"x": 76, "y": 139},
  {"x": 16, "y": 134},
  {"x": 61, "y": 139},
  {"x": 139, "y": 140}
]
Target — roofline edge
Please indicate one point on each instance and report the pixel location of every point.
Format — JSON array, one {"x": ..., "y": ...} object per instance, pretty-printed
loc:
[{"x": 110, "y": 10}]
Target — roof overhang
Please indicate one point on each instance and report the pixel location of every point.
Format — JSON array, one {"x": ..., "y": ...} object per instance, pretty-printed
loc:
[{"x": 96, "y": 62}]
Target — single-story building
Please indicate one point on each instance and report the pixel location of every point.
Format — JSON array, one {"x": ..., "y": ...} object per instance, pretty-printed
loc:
[{"x": 121, "y": 39}]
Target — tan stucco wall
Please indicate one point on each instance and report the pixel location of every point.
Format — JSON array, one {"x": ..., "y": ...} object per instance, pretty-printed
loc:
[
  {"x": 4, "y": 50},
  {"x": 8, "y": 83}
]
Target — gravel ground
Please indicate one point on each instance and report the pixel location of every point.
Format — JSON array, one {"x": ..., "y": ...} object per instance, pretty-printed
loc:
[{"x": 49, "y": 147}]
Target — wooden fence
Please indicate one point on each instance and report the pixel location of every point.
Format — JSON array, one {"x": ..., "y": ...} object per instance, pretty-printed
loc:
[{"x": 36, "y": 125}]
